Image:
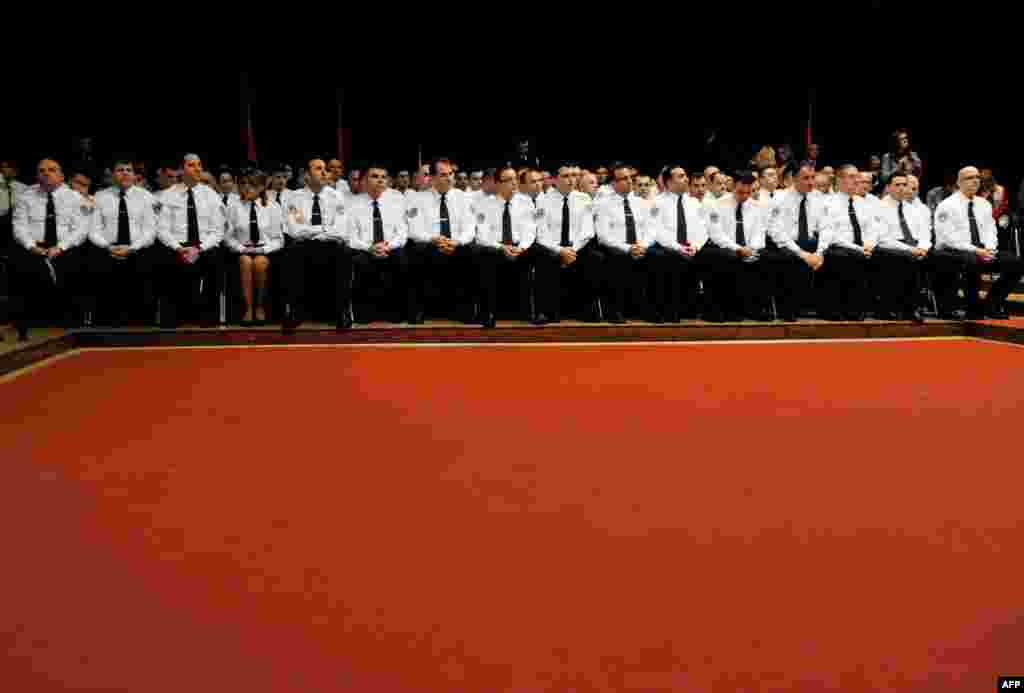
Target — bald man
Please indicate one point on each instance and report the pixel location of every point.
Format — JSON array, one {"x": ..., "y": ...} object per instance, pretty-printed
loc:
[
  {"x": 966, "y": 242},
  {"x": 49, "y": 230}
]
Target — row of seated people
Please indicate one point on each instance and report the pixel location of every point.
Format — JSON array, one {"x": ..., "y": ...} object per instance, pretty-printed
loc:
[{"x": 835, "y": 252}]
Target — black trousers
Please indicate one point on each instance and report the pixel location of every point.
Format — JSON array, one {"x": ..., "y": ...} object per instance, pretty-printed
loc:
[
  {"x": 124, "y": 286},
  {"x": 381, "y": 280},
  {"x": 950, "y": 264},
  {"x": 497, "y": 270},
  {"x": 583, "y": 276},
  {"x": 898, "y": 280},
  {"x": 186, "y": 287},
  {"x": 34, "y": 290},
  {"x": 788, "y": 278},
  {"x": 677, "y": 278},
  {"x": 435, "y": 276},
  {"x": 845, "y": 277},
  {"x": 737, "y": 286},
  {"x": 626, "y": 282},
  {"x": 306, "y": 263}
]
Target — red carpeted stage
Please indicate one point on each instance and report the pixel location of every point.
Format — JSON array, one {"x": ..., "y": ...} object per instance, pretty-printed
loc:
[{"x": 831, "y": 516}]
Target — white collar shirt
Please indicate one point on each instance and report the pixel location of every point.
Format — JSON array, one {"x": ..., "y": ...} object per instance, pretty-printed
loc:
[
  {"x": 269, "y": 222},
  {"x": 665, "y": 218},
  {"x": 783, "y": 222},
  {"x": 611, "y": 222},
  {"x": 424, "y": 212},
  {"x": 722, "y": 224},
  {"x": 891, "y": 233},
  {"x": 359, "y": 221},
  {"x": 172, "y": 222},
  {"x": 30, "y": 217},
  {"x": 952, "y": 224},
  {"x": 581, "y": 219},
  {"x": 103, "y": 222},
  {"x": 299, "y": 216},
  {"x": 489, "y": 212},
  {"x": 840, "y": 227}
]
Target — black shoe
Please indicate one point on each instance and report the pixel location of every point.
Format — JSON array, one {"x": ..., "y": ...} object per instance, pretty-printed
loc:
[
  {"x": 416, "y": 317},
  {"x": 22, "y": 333},
  {"x": 591, "y": 314},
  {"x": 672, "y": 317},
  {"x": 913, "y": 316},
  {"x": 975, "y": 315},
  {"x": 617, "y": 318},
  {"x": 854, "y": 316},
  {"x": 733, "y": 317},
  {"x": 541, "y": 319},
  {"x": 951, "y": 315},
  {"x": 488, "y": 321},
  {"x": 999, "y": 313},
  {"x": 344, "y": 322},
  {"x": 291, "y": 321},
  {"x": 656, "y": 319},
  {"x": 715, "y": 317},
  {"x": 787, "y": 317},
  {"x": 758, "y": 316},
  {"x": 884, "y": 315},
  {"x": 834, "y": 317}
]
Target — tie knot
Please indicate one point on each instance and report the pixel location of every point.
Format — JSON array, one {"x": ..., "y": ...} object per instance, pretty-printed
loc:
[
  {"x": 375, "y": 204},
  {"x": 443, "y": 195},
  {"x": 122, "y": 193},
  {"x": 507, "y": 203}
]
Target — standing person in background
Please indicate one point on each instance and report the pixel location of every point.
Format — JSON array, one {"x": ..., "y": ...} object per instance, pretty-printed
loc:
[{"x": 900, "y": 157}]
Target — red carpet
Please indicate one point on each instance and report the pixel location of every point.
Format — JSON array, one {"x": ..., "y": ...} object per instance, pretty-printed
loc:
[{"x": 748, "y": 517}]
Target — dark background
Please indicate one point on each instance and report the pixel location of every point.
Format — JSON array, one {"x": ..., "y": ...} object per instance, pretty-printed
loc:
[{"x": 648, "y": 100}]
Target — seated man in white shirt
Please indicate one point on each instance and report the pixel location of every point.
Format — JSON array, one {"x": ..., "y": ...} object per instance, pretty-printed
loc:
[
  {"x": 123, "y": 263},
  {"x": 679, "y": 257},
  {"x": 49, "y": 231},
  {"x": 796, "y": 244},
  {"x": 564, "y": 252},
  {"x": 315, "y": 253},
  {"x": 966, "y": 242},
  {"x": 505, "y": 230},
  {"x": 377, "y": 230},
  {"x": 191, "y": 226},
  {"x": 852, "y": 235},
  {"x": 440, "y": 248},
  {"x": 625, "y": 233},
  {"x": 736, "y": 225},
  {"x": 903, "y": 245}
]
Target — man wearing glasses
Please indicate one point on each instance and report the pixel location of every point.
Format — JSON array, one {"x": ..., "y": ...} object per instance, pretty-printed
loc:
[
  {"x": 625, "y": 233},
  {"x": 505, "y": 230}
]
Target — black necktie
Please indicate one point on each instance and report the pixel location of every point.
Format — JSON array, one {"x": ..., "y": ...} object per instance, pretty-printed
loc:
[
  {"x": 566, "y": 240},
  {"x": 975, "y": 234},
  {"x": 857, "y": 237},
  {"x": 193, "y": 220},
  {"x": 630, "y": 222},
  {"x": 506, "y": 225},
  {"x": 803, "y": 234},
  {"x": 741, "y": 236},
  {"x": 314, "y": 217},
  {"x": 254, "y": 226},
  {"x": 278, "y": 197},
  {"x": 224, "y": 199},
  {"x": 908, "y": 238},
  {"x": 50, "y": 234},
  {"x": 124, "y": 234},
  {"x": 378, "y": 224},
  {"x": 446, "y": 224},
  {"x": 680, "y": 221}
]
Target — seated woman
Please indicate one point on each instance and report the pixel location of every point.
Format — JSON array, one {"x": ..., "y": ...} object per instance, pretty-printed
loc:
[{"x": 255, "y": 231}]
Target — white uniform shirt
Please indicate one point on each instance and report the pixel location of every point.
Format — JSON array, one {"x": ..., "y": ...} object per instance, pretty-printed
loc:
[
  {"x": 840, "y": 228},
  {"x": 280, "y": 197},
  {"x": 783, "y": 224},
  {"x": 953, "y": 228},
  {"x": 665, "y": 220},
  {"x": 424, "y": 212},
  {"x": 488, "y": 213},
  {"x": 891, "y": 235},
  {"x": 611, "y": 222},
  {"x": 581, "y": 219},
  {"x": 722, "y": 224},
  {"x": 299, "y": 213},
  {"x": 172, "y": 221},
  {"x": 30, "y": 217},
  {"x": 103, "y": 222},
  {"x": 269, "y": 219},
  {"x": 359, "y": 220}
]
